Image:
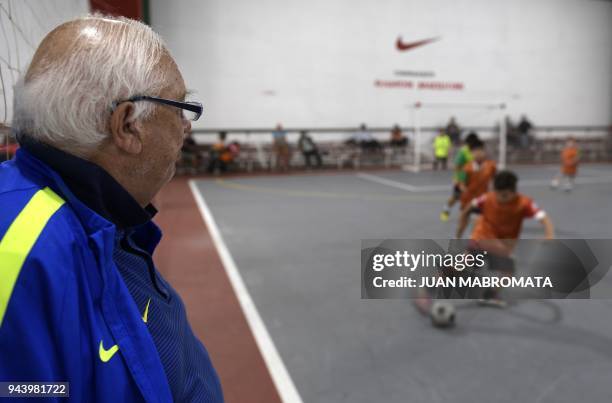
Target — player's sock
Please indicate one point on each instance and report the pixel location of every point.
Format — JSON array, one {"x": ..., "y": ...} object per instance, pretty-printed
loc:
[{"x": 490, "y": 293}]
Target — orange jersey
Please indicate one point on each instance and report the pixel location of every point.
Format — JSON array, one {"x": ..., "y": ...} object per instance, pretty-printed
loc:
[
  {"x": 503, "y": 220},
  {"x": 569, "y": 160},
  {"x": 478, "y": 177}
]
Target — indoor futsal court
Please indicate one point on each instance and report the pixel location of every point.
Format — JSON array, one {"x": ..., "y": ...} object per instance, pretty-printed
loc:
[
  {"x": 239, "y": 201},
  {"x": 332, "y": 343}
]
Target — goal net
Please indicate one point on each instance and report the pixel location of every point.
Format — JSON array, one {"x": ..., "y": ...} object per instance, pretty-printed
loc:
[
  {"x": 23, "y": 24},
  {"x": 487, "y": 119}
]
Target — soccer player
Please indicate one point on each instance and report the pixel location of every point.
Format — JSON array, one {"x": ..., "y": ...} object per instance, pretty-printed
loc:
[
  {"x": 498, "y": 227},
  {"x": 478, "y": 174},
  {"x": 463, "y": 156},
  {"x": 570, "y": 156}
]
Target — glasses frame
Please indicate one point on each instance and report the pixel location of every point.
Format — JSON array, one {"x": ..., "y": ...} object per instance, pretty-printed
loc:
[{"x": 195, "y": 107}]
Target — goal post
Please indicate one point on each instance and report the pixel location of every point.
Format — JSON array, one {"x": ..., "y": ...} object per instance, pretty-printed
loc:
[{"x": 418, "y": 107}]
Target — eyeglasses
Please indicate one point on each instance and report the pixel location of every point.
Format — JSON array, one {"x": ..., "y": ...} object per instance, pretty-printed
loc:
[{"x": 191, "y": 110}]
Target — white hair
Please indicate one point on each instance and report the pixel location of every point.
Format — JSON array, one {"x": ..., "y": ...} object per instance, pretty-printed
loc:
[{"x": 68, "y": 101}]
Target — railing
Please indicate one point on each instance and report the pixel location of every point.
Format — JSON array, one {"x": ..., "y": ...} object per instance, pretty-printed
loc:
[
  {"x": 546, "y": 143},
  {"x": 334, "y": 134}
]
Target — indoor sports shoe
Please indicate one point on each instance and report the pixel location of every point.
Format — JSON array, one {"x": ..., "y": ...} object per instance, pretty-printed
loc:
[
  {"x": 554, "y": 184},
  {"x": 490, "y": 297},
  {"x": 444, "y": 216},
  {"x": 494, "y": 302}
]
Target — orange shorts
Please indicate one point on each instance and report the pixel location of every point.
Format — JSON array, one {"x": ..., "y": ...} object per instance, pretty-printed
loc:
[{"x": 569, "y": 170}]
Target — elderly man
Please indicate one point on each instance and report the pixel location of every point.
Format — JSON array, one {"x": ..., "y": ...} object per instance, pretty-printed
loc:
[{"x": 101, "y": 116}]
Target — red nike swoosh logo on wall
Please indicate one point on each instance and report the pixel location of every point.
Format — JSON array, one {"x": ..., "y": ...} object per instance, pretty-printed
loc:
[{"x": 403, "y": 46}]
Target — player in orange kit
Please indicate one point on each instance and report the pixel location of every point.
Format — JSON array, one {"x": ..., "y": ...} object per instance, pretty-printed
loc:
[
  {"x": 478, "y": 174},
  {"x": 498, "y": 227},
  {"x": 570, "y": 156}
]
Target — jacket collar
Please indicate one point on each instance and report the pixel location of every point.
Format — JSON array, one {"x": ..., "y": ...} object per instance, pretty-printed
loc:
[
  {"x": 147, "y": 233},
  {"x": 92, "y": 185}
]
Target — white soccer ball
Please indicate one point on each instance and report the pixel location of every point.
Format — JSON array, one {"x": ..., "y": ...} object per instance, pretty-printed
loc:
[{"x": 442, "y": 314}]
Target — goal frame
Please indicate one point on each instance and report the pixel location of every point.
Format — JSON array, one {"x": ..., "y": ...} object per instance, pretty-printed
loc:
[{"x": 418, "y": 106}]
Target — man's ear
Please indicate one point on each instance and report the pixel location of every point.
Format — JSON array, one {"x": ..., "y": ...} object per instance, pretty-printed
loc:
[{"x": 125, "y": 133}]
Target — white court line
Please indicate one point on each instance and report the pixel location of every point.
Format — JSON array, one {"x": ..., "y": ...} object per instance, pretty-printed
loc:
[
  {"x": 401, "y": 185},
  {"x": 284, "y": 384},
  {"x": 433, "y": 188},
  {"x": 579, "y": 180}
]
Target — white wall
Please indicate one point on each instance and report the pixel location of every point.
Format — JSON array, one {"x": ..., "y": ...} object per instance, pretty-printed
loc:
[
  {"x": 314, "y": 63},
  {"x": 29, "y": 22}
]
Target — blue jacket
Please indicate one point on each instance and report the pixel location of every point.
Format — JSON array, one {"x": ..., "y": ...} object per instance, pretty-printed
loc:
[{"x": 66, "y": 314}]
